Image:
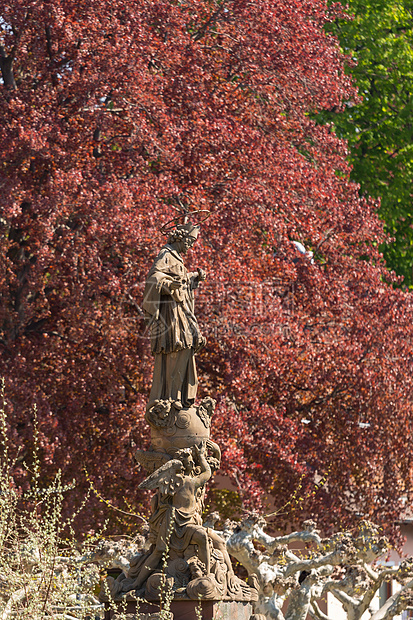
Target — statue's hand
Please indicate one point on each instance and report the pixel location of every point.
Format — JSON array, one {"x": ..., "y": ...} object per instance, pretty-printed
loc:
[
  {"x": 173, "y": 285},
  {"x": 201, "y": 449},
  {"x": 201, "y": 275},
  {"x": 176, "y": 290}
]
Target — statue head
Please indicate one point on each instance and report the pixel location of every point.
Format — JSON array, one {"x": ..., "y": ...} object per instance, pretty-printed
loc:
[
  {"x": 197, "y": 568},
  {"x": 184, "y": 236},
  {"x": 186, "y": 458}
]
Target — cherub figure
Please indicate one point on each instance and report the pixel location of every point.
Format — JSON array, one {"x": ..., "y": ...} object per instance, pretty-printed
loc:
[
  {"x": 159, "y": 414},
  {"x": 176, "y": 517}
]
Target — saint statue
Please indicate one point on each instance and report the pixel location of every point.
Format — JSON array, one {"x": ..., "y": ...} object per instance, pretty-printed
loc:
[
  {"x": 169, "y": 311},
  {"x": 182, "y": 458}
]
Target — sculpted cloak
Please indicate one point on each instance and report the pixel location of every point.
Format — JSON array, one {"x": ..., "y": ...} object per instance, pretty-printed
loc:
[{"x": 174, "y": 330}]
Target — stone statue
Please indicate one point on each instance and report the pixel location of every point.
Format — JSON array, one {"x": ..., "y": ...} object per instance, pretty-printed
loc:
[
  {"x": 169, "y": 310},
  {"x": 176, "y": 520},
  {"x": 176, "y": 529},
  {"x": 183, "y": 552}
]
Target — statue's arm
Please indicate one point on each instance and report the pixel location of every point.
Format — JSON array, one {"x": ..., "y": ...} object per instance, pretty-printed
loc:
[
  {"x": 158, "y": 284},
  {"x": 195, "y": 277},
  {"x": 168, "y": 285}
]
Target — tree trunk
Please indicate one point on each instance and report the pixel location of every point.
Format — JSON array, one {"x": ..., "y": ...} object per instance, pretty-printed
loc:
[{"x": 6, "y": 66}]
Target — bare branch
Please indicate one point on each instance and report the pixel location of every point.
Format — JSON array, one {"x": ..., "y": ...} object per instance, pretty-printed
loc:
[
  {"x": 333, "y": 558},
  {"x": 299, "y": 601},
  {"x": 395, "y": 604},
  {"x": 16, "y": 597},
  {"x": 305, "y": 537},
  {"x": 315, "y": 612},
  {"x": 201, "y": 32}
]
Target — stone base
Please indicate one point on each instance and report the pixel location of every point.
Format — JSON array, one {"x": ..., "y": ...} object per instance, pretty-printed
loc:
[{"x": 188, "y": 610}]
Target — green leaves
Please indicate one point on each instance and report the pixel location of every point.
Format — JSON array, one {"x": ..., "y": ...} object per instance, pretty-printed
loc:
[{"x": 379, "y": 127}]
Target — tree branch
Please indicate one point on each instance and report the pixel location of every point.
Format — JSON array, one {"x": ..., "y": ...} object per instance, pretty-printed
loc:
[
  {"x": 201, "y": 32},
  {"x": 16, "y": 597},
  {"x": 395, "y": 604},
  {"x": 333, "y": 558},
  {"x": 316, "y": 612}
]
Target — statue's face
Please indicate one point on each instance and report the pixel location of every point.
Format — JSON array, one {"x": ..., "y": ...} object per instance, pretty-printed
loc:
[
  {"x": 195, "y": 571},
  {"x": 187, "y": 243},
  {"x": 188, "y": 462}
]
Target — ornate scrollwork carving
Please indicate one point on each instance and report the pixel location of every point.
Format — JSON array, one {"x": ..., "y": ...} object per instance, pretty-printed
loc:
[
  {"x": 161, "y": 414},
  {"x": 206, "y": 410}
]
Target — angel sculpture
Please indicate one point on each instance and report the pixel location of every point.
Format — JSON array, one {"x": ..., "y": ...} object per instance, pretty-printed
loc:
[{"x": 176, "y": 519}]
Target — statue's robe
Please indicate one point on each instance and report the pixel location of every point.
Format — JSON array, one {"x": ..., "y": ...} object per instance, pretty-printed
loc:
[
  {"x": 173, "y": 527},
  {"x": 170, "y": 528},
  {"x": 174, "y": 330}
]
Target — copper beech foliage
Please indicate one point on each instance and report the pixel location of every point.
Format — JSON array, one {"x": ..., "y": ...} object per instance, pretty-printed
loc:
[{"x": 111, "y": 112}]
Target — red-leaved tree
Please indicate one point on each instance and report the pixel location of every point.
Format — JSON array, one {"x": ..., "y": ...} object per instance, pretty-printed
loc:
[{"x": 111, "y": 113}]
